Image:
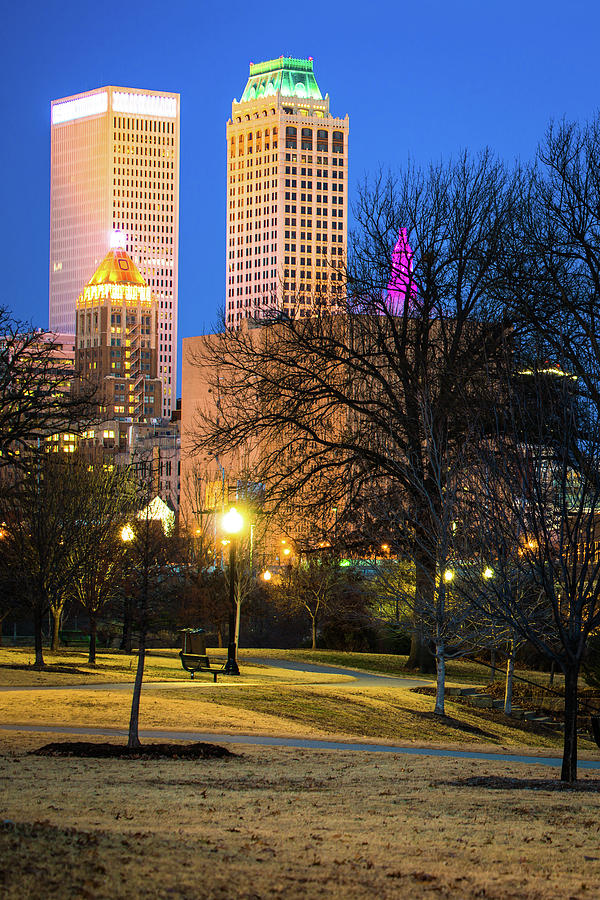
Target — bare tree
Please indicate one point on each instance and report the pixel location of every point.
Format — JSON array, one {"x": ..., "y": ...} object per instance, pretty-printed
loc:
[
  {"x": 312, "y": 586},
  {"x": 329, "y": 406},
  {"x": 107, "y": 499},
  {"x": 42, "y": 515},
  {"x": 153, "y": 576},
  {"x": 37, "y": 398},
  {"x": 537, "y": 518}
]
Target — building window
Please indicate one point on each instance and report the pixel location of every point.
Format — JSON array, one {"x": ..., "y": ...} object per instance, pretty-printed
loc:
[
  {"x": 307, "y": 139},
  {"x": 322, "y": 140},
  {"x": 291, "y": 137},
  {"x": 338, "y": 142}
]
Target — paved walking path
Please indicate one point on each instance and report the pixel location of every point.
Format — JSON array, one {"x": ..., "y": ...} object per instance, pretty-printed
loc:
[
  {"x": 299, "y": 743},
  {"x": 358, "y": 678},
  {"x": 320, "y": 669}
]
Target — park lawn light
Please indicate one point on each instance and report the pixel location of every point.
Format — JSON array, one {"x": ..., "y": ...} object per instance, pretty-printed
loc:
[
  {"x": 488, "y": 573},
  {"x": 232, "y": 523},
  {"x": 448, "y": 575},
  {"x": 286, "y": 551},
  {"x": 266, "y": 575}
]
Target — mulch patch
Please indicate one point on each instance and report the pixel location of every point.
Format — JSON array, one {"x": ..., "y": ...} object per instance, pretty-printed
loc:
[
  {"x": 500, "y": 783},
  {"x": 91, "y": 750}
]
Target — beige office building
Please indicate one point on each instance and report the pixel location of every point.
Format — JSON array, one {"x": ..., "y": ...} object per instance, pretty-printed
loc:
[
  {"x": 115, "y": 183},
  {"x": 287, "y": 183}
]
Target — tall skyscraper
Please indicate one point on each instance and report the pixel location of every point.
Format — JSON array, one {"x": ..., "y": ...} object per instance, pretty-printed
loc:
[
  {"x": 115, "y": 172},
  {"x": 287, "y": 180}
]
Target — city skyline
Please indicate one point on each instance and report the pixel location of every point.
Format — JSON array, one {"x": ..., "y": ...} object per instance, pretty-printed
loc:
[{"x": 474, "y": 77}]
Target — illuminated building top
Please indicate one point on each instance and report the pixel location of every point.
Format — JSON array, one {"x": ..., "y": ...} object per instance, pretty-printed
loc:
[
  {"x": 287, "y": 76},
  {"x": 118, "y": 278},
  {"x": 122, "y": 101},
  {"x": 401, "y": 288}
]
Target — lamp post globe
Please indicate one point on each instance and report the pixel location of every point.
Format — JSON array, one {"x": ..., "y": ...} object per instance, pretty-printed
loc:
[{"x": 232, "y": 523}]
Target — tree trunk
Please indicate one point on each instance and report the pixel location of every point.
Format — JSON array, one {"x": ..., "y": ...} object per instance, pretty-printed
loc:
[
  {"x": 56, "y": 617},
  {"x": 127, "y": 636},
  {"x": 238, "y": 610},
  {"x": 493, "y": 666},
  {"x": 37, "y": 633},
  {"x": 134, "y": 740},
  {"x": 219, "y": 636},
  {"x": 420, "y": 656},
  {"x": 569, "y": 763},
  {"x": 510, "y": 669},
  {"x": 93, "y": 630},
  {"x": 314, "y": 634},
  {"x": 440, "y": 664}
]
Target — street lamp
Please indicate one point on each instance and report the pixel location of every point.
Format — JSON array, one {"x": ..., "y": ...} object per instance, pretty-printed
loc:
[
  {"x": 127, "y": 534},
  {"x": 448, "y": 575},
  {"x": 232, "y": 523},
  {"x": 266, "y": 575}
]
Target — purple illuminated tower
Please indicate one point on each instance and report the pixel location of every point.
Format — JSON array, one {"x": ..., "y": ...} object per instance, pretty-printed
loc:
[{"x": 401, "y": 288}]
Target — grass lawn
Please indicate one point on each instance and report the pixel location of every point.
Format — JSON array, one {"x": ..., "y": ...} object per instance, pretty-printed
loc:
[
  {"x": 283, "y": 824},
  {"x": 459, "y": 671},
  {"x": 264, "y": 700},
  {"x": 276, "y": 822}
]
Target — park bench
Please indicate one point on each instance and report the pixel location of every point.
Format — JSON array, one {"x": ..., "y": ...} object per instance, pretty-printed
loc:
[
  {"x": 193, "y": 654},
  {"x": 74, "y": 638}
]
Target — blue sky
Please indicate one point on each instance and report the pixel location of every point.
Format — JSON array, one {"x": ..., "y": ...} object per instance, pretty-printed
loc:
[{"x": 423, "y": 80}]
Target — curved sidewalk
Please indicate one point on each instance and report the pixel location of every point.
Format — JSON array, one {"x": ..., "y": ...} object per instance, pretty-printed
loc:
[{"x": 298, "y": 743}]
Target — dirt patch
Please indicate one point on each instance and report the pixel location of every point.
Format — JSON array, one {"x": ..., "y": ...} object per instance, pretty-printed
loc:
[{"x": 93, "y": 750}]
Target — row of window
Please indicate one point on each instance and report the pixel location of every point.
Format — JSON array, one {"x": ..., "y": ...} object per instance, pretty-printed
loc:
[
  {"x": 145, "y": 138},
  {"x": 157, "y": 125},
  {"x": 306, "y": 139}
]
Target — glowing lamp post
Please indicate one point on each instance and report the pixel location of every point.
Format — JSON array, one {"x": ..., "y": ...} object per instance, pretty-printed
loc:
[{"x": 232, "y": 523}]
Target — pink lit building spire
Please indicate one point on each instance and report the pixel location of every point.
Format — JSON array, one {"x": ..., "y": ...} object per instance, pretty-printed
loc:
[{"x": 401, "y": 288}]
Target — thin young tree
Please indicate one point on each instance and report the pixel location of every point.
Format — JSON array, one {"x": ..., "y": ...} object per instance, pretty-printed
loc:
[
  {"x": 313, "y": 586},
  {"x": 152, "y": 577}
]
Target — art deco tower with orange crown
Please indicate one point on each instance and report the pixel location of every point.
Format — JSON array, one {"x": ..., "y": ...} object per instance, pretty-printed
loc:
[
  {"x": 115, "y": 169},
  {"x": 116, "y": 340}
]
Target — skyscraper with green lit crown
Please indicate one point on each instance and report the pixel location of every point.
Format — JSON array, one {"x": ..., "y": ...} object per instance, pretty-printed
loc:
[{"x": 287, "y": 194}]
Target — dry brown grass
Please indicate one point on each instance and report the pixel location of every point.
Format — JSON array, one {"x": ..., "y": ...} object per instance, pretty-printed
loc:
[
  {"x": 281, "y": 823},
  {"x": 390, "y": 715}
]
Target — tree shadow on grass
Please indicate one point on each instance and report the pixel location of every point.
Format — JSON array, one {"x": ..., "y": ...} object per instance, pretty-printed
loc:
[
  {"x": 47, "y": 667},
  {"x": 450, "y": 722},
  {"x": 504, "y": 783}
]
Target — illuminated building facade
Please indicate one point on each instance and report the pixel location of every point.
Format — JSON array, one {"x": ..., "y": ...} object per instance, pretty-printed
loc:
[
  {"x": 287, "y": 181},
  {"x": 116, "y": 339},
  {"x": 115, "y": 169}
]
